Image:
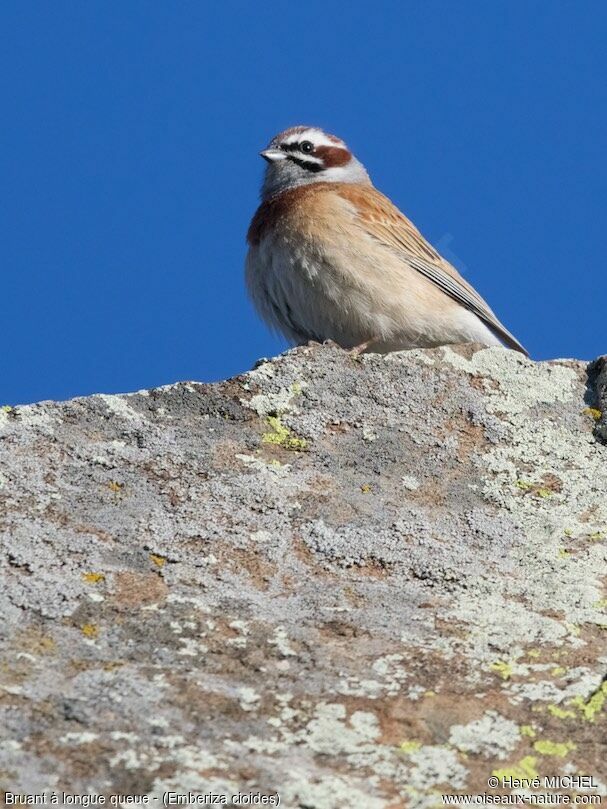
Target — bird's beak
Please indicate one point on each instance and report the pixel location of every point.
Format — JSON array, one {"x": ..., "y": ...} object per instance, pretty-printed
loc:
[{"x": 272, "y": 155}]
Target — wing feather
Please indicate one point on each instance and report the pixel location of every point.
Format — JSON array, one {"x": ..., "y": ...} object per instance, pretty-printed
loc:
[{"x": 383, "y": 221}]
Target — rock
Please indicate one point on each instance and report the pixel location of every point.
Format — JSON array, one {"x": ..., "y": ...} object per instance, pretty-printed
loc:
[
  {"x": 352, "y": 582},
  {"x": 597, "y": 371}
]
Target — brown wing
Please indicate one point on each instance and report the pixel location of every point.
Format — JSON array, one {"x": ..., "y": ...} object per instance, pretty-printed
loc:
[{"x": 382, "y": 220}]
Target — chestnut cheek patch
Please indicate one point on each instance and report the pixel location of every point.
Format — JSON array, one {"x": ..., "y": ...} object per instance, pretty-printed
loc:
[{"x": 332, "y": 156}]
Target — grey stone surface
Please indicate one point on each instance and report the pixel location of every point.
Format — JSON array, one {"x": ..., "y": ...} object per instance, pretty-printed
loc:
[{"x": 354, "y": 582}]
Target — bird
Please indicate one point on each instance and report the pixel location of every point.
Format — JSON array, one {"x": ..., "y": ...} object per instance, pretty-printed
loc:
[{"x": 331, "y": 259}]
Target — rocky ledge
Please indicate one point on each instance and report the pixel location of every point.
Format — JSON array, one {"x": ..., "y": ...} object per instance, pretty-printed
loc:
[{"x": 352, "y": 582}]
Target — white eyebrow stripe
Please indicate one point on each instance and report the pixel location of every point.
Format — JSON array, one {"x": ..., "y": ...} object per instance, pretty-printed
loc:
[{"x": 307, "y": 158}]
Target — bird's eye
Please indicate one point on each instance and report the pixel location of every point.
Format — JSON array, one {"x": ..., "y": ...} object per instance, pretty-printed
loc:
[{"x": 306, "y": 147}]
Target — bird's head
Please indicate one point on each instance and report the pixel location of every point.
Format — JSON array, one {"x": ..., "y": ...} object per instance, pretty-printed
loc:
[{"x": 306, "y": 154}]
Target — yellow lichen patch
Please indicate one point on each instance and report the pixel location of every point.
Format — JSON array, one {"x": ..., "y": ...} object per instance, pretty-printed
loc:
[
  {"x": 593, "y": 412},
  {"x": 560, "y": 713},
  {"x": 533, "y": 653},
  {"x": 598, "y": 535},
  {"x": 527, "y": 730},
  {"x": 503, "y": 668},
  {"x": 159, "y": 561},
  {"x": 545, "y": 747},
  {"x": 112, "y": 665},
  {"x": 366, "y": 488},
  {"x": 283, "y": 437},
  {"x": 568, "y": 532},
  {"x": 409, "y": 747},
  {"x": 533, "y": 488},
  {"x": 593, "y": 705},
  {"x": 46, "y": 645},
  {"x": 115, "y": 487},
  {"x": 558, "y": 671},
  {"x": 35, "y": 643},
  {"x": 573, "y": 629},
  {"x": 93, "y": 578},
  {"x": 563, "y": 554},
  {"x": 90, "y": 630},
  {"x": 524, "y": 769},
  {"x": 524, "y": 485}
]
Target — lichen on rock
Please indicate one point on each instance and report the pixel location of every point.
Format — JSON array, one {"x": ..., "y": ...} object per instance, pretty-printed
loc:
[{"x": 349, "y": 582}]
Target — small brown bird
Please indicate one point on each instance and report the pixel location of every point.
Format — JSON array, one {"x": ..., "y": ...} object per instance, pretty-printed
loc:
[{"x": 331, "y": 258}]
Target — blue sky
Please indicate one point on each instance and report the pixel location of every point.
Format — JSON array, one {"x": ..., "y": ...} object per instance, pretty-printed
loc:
[{"x": 129, "y": 168}]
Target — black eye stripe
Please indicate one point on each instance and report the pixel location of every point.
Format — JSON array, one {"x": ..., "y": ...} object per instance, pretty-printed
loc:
[
  {"x": 306, "y": 147},
  {"x": 306, "y": 164}
]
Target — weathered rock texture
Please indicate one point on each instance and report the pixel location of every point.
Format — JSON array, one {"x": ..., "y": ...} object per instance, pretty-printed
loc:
[{"x": 352, "y": 582}]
